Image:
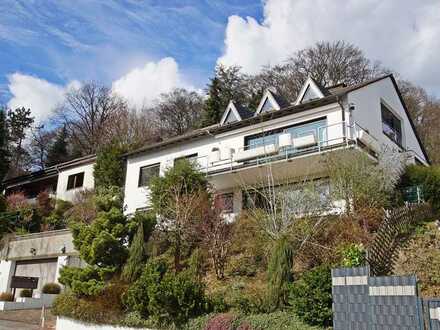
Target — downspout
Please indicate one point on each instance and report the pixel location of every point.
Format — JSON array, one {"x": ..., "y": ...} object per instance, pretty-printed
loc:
[{"x": 344, "y": 129}]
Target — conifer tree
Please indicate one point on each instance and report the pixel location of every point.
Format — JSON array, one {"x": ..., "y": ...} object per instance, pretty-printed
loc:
[
  {"x": 4, "y": 152},
  {"x": 137, "y": 256},
  {"x": 58, "y": 151}
]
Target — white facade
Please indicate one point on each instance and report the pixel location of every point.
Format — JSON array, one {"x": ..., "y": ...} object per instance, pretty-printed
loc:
[
  {"x": 367, "y": 113},
  {"x": 63, "y": 177},
  {"x": 353, "y": 118}
]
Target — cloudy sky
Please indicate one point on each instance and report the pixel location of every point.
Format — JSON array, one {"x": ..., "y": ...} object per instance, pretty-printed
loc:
[{"x": 144, "y": 48}]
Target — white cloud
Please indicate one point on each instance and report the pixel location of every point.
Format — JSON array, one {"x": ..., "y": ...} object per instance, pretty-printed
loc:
[
  {"x": 41, "y": 96},
  {"x": 402, "y": 34},
  {"x": 142, "y": 85}
]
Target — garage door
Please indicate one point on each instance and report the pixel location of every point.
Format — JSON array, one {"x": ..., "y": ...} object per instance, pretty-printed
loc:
[{"x": 44, "y": 269}]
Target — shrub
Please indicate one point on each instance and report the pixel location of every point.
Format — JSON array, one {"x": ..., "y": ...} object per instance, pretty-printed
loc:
[
  {"x": 273, "y": 321},
  {"x": 86, "y": 281},
  {"x": 105, "y": 307},
  {"x": 428, "y": 178},
  {"x": 6, "y": 296},
  {"x": 221, "y": 322},
  {"x": 166, "y": 297},
  {"x": 26, "y": 293},
  {"x": 51, "y": 288},
  {"x": 311, "y": 296},
  {"x": 353, "y": 255},
  {"x": 97, "y": 310},
  {"x": 280, "y": 271}
]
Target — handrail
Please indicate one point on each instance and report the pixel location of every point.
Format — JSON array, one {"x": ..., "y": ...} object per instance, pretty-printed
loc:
[{"x": 344, "y": 134}]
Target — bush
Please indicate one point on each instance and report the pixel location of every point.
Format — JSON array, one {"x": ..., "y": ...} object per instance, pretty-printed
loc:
[
  {"x": 26, "y": 293},
  {"x": 104, "y": 308},
  {"x": 221, "y": 322},
  {"x": 311, "y": 296},
  {"x": 428, "y": 178},
  {"x": 230, "y": 321},
  {"x": 6, "y": 296},
  {"x": 51, "y": 288},
  {"x": 88, "y": 281},
  {"x": 353, "y": 255},
  {"x": 166, "y": 297}
]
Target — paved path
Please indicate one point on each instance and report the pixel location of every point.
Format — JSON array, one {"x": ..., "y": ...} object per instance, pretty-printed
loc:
[
  {"x": 25, "y": 320},
  {"x": 8, "y": 325}
]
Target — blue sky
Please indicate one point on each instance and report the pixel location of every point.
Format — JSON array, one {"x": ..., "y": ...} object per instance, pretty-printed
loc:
[
  {"x": 144, "y": 48},
  {"x": 60, "y": 41}
]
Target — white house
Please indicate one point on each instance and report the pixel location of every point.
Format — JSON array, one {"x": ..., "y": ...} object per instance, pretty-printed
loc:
[{"x": 289, "y": 137}]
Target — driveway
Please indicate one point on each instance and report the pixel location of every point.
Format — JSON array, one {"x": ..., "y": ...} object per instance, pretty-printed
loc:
[{"x": 29, "y": 319}]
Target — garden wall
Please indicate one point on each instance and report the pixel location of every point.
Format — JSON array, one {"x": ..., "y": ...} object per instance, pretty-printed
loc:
[{"x": 64, "y": 323}]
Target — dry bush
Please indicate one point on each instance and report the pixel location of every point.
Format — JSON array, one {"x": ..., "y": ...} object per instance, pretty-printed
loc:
[
  {"x": 6, "y": 296},
  {"x": 422, "y": 257},
  {"x": 221, "y": 322},
  {"x": 323, "y": 247}
]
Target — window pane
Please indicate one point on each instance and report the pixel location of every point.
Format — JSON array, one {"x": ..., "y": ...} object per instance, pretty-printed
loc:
[
  {"x": 79, "y": 180},
  {"x": 391, "y": 125},
  {"x": 191, "y": 158},
  {"x": 146, "y": 173},
  {"x": 75, "y": 181},
  {"x": 70, "y": 182},
  {"x": 225, "y": 202}
]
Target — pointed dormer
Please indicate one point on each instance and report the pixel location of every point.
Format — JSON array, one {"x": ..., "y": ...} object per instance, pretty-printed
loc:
[
  {"x": 233, "y": 113},
  {"x": 310, "y": 91},
  {"x": 270, "y": 101}
]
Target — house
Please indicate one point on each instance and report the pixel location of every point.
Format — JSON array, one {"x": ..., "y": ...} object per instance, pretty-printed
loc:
[
  {"x": 62, "y": 181},
  {"x": 288, "y": 138}
]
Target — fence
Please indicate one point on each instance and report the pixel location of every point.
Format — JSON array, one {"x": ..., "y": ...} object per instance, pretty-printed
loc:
[{"x": 362, "y": 302}]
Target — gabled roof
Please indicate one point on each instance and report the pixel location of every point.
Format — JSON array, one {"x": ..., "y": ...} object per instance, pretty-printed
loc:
[
  {"x": 311, "y": 89},
  {"x": 234, "y": 112},
  {"x": 331, "y": 98},
  {"x": 276, "y": 101}
]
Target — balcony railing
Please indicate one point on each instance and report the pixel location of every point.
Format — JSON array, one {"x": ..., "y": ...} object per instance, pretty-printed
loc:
[{"x": 285, "y": 147}]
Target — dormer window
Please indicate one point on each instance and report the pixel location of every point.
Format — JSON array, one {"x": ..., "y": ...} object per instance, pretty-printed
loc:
[
  {"x": 309, "y": 92},
  {"x": 233, "y": 113},
  {"x": 270, "y": 102},
  {"x": 231, "y": 118},
  {"x": 267, "y": 106},
  {"x": 309, "y": 95}
]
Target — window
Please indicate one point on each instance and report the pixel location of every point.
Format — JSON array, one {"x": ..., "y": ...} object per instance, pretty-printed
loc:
[
  {"x": 225, "y": 202},
  {"x": 191, "y": 158},
  {"x": 391, "y": 125},
  {"x": 315, "y": 127},
  {"x": 309, "y": 95},
  {"x": 267, "y": 106},
  {"x": 147, "y": 173},
  {"x": 75, "y": 181},
  {"x": 231, "y": 118}
]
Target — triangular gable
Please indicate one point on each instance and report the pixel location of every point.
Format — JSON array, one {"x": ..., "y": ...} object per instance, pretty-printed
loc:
[
  {"x": 230, "y": 115},
  {"x": 310, "y": 91},
  {"x": 268, "y": 103}
]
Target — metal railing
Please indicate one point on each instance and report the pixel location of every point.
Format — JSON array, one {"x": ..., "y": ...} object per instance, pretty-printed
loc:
[{"x": 338, "y": 135}]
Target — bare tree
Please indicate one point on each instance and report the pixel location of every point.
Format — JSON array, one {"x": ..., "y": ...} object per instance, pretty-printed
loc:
[
  {"x": 217, "y": 234},
  {"x": 87, "y": 113},
  {"x": 361, "y": 182},
  {"x": 329, "y": 63},
  {"x": 39, "y": 145},
  {"x": 178, "y": 112},
  {"x": 425, "y": 112},
  {"x": 133, "y": 128},
  {"x": 277, "y": 205}
]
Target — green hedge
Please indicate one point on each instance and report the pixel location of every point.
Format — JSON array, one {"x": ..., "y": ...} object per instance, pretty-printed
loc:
[{"x": 426, "y": 177}]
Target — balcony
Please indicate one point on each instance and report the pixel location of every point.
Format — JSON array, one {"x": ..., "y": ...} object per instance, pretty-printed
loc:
[{"x": 285, "y": 147}]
